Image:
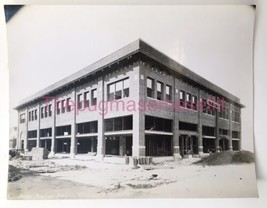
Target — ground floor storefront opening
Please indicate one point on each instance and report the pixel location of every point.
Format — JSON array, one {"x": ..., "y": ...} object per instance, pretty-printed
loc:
[
  {"x": 118, "y": 145},
  {"x": 46, "y": 143},
  {"x": 31, "y": 144},
  {"x": 209, "y": 145},
  {"x": 63, "y": 145},
  {"x": 224, "y": 144},
  {"x": 235, "y": 145},
  {"x": 86, "y": 145},
  {"x": 158, "y": 145},
  {"x": 188, "y": 145}
]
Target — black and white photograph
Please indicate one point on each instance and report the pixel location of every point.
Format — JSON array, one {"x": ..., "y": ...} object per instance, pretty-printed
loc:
[{"x": 130, "y": 101}]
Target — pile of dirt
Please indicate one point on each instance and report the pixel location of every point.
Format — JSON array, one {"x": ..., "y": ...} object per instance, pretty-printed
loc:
[
  {"x": 227, "y": 157},
  {"x": 13, "y": 173}
]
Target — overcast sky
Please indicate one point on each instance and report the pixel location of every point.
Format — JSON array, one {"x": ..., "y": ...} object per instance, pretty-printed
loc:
[{"x": 47, "y": 43}]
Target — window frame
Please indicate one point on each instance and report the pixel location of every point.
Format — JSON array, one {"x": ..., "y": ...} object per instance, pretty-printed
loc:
[
  {"x": 188, "y": 100},
  {"x": 148, "y": 89},
  {"x": 182, "y": 98},
  {"x": 93, "y": 97},
  {"x": 58, "y": 107},
  {"x": 42, "y": 112},
  {"x": 63, "y": 105},
  {"x": 160, "y": 92},
  {"x": 194, "y": 102},
  {"x": 50, "y": 110},
  {"x": 35, "y": 114},
  {"x": 79, "y": 101},
  {"x": 86, "y": 99},
  {"x": 168, "y": 96}
]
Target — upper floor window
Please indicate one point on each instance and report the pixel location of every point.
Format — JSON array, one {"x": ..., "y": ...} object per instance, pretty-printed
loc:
[
  {"x": 93, "y": 97},
  {"x": 35, "y": 114},
  {"x": 46, "y": 132},
  {"x": 111, "y": 92},
  {"x": 223, "y": 132},
  {"x": 236, "y": 116},
  {"x": 159, "y": 91},
  {"x": 46, "y": 111},
  {"x": 50, "y": 110},
  {"x": 68, "y": 105},
  {"x": 235, "y": 134},
  {"x": 58, "y": 107},
  {"x": 209, "y": 107},
  {"x": 42, "y": 112},
  {"x": 119, "y": 123},
  {"x": 208, "y": 131},
  {"x": 63, "y": 106},
  {"x": 126, "y": 88},
  {"x": 168, "y": 93},
  {"x": 79, "y": 100},
  {"x": 86, "y": 99},
  {"x": 63, "y": 130},
  {"x": 88, "y": 127},
  {"x": 30, "y": 116},
  {"x": 194, "y": 102},
  {"x": 22, "y": 118},
  {"x": 224, "y": 111},
  {"x": 204, "y": 105},
  {"x": 32, "y": 134},
  {"x": 182, "y": 98},
  {"x": 188, "y": 100},
  {"x": 150, "y": 87},
  {"x": 157, "y": 124},
  {"x": 118, "y": 90}
]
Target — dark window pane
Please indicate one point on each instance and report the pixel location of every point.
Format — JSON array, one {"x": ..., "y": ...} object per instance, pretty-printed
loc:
[
  {"x": 111, "y": 92},
  {"x": 79, "y": 100},
  {"x": 118, "y": 124},
  {"x": 93, "y": 97},
  {"x": 150, "y": 87},
  {"x": 182, "y": 98},
  {"x": 126, "y": 86},
  {"x": 159, "y": 91},
  {"x": 93, "y": 127},
  {"x": 109, "y": 124},
  {"x": 167, "y": 125},
  {"x": 168, "y": 93},
  {"x": 127, "y": 123},
  {"x": 86, "y": 99},
  {"x": 149, "y": 123}
]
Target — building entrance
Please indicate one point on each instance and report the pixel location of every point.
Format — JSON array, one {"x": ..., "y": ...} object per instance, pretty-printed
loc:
[{"x": 188, "y": 145}]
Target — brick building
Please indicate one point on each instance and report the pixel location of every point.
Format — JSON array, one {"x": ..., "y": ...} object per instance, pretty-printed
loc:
[{"x": 136, "y": 101}]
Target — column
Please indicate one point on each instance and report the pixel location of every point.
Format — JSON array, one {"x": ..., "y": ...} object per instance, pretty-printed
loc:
[
  {"x": 101, "y": 148},
  {"x": 230, "y": 127},
  {"x": 38, "y": 126},
  {"x": 139, "y": 148},
  {"x": 53, "y": 136},
  {"x": 137, "y": 90},
  {"x": 199, "y": 126},
  {"x": 175, "y": 100},
  {"x": 92, "y": 144},
  {"x": 73, "y": 139},
  {"x": 122, "y": 145},
  {"x": 186, "y": 146},
  {"x": 18, "y": 145},
  {"x": 240, "y": 127},
  {"x": 26, "y": 133},
  {"x": 217, "y": 139}
]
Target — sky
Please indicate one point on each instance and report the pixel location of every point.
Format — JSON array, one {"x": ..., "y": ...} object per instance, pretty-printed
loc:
[{"x": 48, "y": 43}]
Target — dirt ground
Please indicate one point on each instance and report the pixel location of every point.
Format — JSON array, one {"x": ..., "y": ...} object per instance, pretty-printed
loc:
[{"x": 66, "y": 178}]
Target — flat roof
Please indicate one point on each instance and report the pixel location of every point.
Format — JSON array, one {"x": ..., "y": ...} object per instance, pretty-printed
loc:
[{"x": 128, "y": 50}]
